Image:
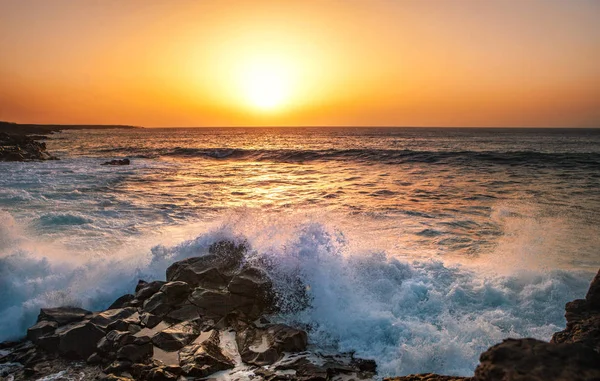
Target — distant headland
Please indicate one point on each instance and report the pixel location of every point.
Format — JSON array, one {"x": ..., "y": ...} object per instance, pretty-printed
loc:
[{"x": 42, "y": 129}]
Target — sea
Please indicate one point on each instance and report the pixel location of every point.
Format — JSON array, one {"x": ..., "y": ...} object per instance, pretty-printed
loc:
[{"x": 418, "y": 247}]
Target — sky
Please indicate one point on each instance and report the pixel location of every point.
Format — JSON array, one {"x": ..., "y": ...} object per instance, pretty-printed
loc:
[{"x": 495, "y": 63}]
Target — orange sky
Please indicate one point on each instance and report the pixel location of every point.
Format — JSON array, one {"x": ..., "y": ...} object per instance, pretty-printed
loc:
[{"x": 368, "y": 62}]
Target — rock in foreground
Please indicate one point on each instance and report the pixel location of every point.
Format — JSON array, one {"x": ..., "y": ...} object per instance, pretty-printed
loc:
[{"x": 209, "y": 317}]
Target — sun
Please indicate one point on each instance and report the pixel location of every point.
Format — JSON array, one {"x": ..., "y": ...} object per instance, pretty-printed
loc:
[{"x": 266, "y": 85}]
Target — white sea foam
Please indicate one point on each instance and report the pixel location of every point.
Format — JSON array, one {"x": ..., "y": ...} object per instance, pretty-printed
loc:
[{"x": 411, "y": 315}]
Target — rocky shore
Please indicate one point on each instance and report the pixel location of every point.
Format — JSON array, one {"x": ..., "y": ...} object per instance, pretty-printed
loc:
[
  {"x": 211, "y": 319},
  {"x": 22, "y": 148}
]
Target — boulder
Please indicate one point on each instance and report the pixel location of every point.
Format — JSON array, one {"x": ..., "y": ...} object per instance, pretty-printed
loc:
[
  {"x": 135, "y": 353},
  {"x": 106, "y": 318},
  {"x": 176, "y": 292},
  {"x": 176, "y": 336},
  {"x": 583, "y": 319},
  {"x": 212, "y": 303},
  {"x": 161, "y": 374},
  {"x": 204, "y": 356},
  {"x": 428, "y": 377},
  {"x": 149, "y": 320},
  {"x": 186, "y": 312},
  {"x": 266, "y": 345},
  {"x": 63, "y": 315},
  {"x": 157, "y": 304},
  {"x": 145, "y": 290},
  {"x": 533, "y": 360},
  {"x": 78, "y": 340},
  {"x": 40, "y": 329}
]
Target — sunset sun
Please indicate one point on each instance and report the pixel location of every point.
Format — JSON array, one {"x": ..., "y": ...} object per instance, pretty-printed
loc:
[{"x": 266, "y": 84}]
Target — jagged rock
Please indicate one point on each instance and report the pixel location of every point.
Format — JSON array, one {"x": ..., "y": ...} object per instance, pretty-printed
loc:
[
  {"x": 135, "y": 353},
  {"x": 213, "y": 270},
  {"x": 204, "y": 356},
  {"x": 150, "y": 320},
  {"x": 175, "y": 292},
  {"x": 176, "y": 336},
  {"x": 265, "y": 345},
  {"x": 22, "y": 148},
  {"x": 40, "y": 329},
  {"x": 583, "y": 319},
  {"x": 122, "y": 302},
  {"x": 63, "y": 315},
  {"x": 532, "y": 360},
  {"x": 79, "y": 340},
  {"x": 212, "y": 303},
  {"x": 95, "y": 358},
  {"x": 161, "y": 374},
  {"x": 104, "y": 319},
  {"x": 117, "y": 366},
  {"x": 147, "y": 289},
  {"x": 184, "y": 313},
  {"x": 157, "y": 304}
]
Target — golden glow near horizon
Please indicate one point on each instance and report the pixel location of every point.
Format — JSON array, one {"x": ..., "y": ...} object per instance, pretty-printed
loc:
[{"x": 354, "y": 62}]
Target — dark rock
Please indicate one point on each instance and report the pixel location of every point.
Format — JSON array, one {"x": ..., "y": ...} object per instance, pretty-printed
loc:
[
  {"x": 176, "y": 337},
  {"x": 583, "y": 319},
  {"x": 148, "y": 289},
  {"x": 210, "y": 271},
  {"x": 184, "y": 313},
  {"x": 204, "y": 357},
  {"x": 175, "y": 292},
  {"x": 265, "y": 345},
  {"x": 40, "y": 329},
  {"x": 212, "y": 303},
  {"x": 161, "y": 374},
  {"x": 79, "y": 340},
  {"x": 140, "y": 284},
  {"x": 117, "y": 162},
  {"x": 94, "y": 359},
  {"x": 157, "y": 304},
  {"x": 22, "y": 148},
  {"x": 104, "y": 319},
  {"x": 532, "y": 360},
  {"x": 123, "y": 301},
  {"x": 149, "y": 320},
  {"x": 117, "y": 366},
  {"x": 135, "y": 353},
  {"x": 63, "y": 315}
]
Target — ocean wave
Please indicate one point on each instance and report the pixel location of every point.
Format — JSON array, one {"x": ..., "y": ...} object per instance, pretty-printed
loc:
[
  {"x": 382, "y": 156},
  {"x": 409, "y": 315}
]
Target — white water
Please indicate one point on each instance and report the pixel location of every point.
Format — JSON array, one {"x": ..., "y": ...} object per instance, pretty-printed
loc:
[{"x": 410, "y": 315}]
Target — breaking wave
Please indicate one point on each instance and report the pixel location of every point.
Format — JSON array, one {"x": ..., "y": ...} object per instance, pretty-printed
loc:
[{"x": 408, "y": 315}]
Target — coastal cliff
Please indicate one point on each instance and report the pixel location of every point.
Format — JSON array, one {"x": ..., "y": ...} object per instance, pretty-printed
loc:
[{"x": 212, "y": 318}]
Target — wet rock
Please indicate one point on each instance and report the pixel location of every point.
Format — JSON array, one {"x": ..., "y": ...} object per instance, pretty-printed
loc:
[
  {"x": 175, "y": 292},
  {"x": 63, "y": 315},
  {"x": 104, "y": 319},
  {"x": 157, "y": 304},
  {"x": 117, "y": 366},
  {"x": 532, "y": 360},
  {"x": 94, "y": 359},
  {"x": 149, "y": 320},
  {"x": 583, "y": 319},
  {"x": 204, "y": 356},
  {"x": 161, "y": 374},
  {"x": 40, "y": 329},
  {"x": 186, "y": 312},
  {"x": 265, "y": 345},
  {"x": 22, "y": 148},
  {"x": 79, "y": 340},
  {"x": 117, "y": 162},
  {"x": 135, "y": 353},
  {"x": 213, "y": 270},
  {"x": 145, "y": 290},
  {"x": 176, "y": 336},
  {"x": 123, "y": 301},
  {"x": 212, "y": 303}
]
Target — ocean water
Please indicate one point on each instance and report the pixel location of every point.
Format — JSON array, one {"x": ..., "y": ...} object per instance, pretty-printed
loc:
[{"x": 419, "y": 248}]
